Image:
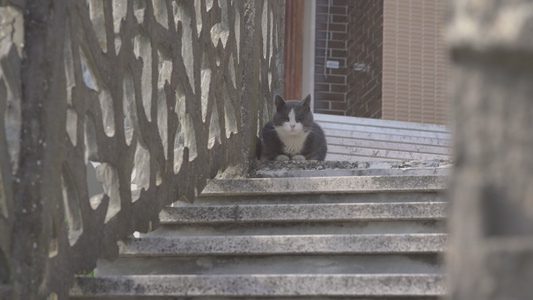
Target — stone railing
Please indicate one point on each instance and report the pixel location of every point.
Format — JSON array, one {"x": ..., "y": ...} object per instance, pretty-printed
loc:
[{"x": 157, "y": 95}]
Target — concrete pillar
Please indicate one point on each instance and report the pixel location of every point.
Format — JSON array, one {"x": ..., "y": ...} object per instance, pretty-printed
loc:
[{"x": 491, "y": 224}]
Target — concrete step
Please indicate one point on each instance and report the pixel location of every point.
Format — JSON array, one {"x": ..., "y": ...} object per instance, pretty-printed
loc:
[
  {"x": 387, "y": 130},
  {"x": 323, "y": 185},
  {"x": 300, "y": 228},
  {"x": 302, "y": 219},
  {"x": 304, "y": 212},
  {"x": 284, "y": 245},
  {"x": 379, "y": 123},
  {"x": 385, "y": 137},
  {"x": 359, "y": 139},
  {"x": 281, "y": 264},
  {"x": 273, "y": 169},
  {"x": 391, "y": 146},
  {"x": 363, "y": 197},
  {"x": 344, "y": 148},
  {"x": 251, "y": 286},
  {"x": 324, "y": 237}
]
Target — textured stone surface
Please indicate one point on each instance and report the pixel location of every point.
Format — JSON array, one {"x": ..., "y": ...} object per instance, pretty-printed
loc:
[
  {"x": 11, "y": 41},
  {"x": 491, "y": 220},
  {"x": 384, "y": 247},
  {"x": 275, "y": 169},
  {"x": 372, "y": 196},
  {"x": 158, "y": 95},
  {"x": 281, "y": 264},
  {"x": 492, "y": 25},
  {"x": 262, "y": 285},
  {"x": 285, "y": 244},
  {"x": 318, "y": 185},
  {"x": 304, "y": 212}
]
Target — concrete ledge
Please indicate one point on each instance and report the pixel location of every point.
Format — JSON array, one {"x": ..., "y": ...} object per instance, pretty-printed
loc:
[
  {"x": 304, "y": 212},
  {"x": 322, "y": 185},
  {"x": 284, "y": 244},
  {"x": 402, "y": 285},
  {"x": 273, "y": 265},
  {"x": 274, "y": 169},
  {"x": 381, "y": 123}
]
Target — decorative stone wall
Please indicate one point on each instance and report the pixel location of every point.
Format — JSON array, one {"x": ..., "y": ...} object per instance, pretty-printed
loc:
[
  {"x": 11, "y": 42},
  {"x": 157, "y": 95},
  {"x": 491, "y": 224}
]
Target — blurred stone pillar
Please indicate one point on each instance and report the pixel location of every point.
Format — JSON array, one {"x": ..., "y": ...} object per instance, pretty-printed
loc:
[{"x": 491, "y": 223}]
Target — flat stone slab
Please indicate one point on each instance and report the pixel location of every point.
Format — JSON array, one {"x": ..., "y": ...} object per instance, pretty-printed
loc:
[
  {"x": 323, "y": 185},
  {"x": 401, "y": 285},
  {"x": 270, "y": 265},
  {"x": 304, "y": 212},
  {"x": 285, "y": 244},
  {"x": 359, "y": 139},
  {"x": 273, "y": 169}
]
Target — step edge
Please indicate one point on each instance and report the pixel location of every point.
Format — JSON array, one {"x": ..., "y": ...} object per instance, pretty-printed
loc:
[
  {"x": 295, "y": 284},
  {"x": 238, "y": 213}
]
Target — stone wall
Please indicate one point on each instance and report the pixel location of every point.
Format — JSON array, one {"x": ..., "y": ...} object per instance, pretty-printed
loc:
[
  {"x": 157, "y": 95},
  {"x": 491, "y": 224}
]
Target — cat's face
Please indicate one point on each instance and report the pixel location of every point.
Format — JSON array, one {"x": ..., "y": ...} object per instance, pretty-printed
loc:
[{"x": 293, "y": 117}]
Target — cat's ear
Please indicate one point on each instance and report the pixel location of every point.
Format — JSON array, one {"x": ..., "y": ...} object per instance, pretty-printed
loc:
[
  {"x": 306, "y": 103},
  {"x": 280, "y": 103}
]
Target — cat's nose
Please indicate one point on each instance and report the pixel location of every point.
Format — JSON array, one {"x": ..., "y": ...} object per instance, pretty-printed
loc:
[{"x": 292, "y": 126}]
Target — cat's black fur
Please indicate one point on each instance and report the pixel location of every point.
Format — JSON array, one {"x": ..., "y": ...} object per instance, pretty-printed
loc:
[{"x": 308, "y": 143}]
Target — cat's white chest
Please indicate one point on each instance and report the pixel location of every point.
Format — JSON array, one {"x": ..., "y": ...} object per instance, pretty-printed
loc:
[{"x": 293, "y": 142}]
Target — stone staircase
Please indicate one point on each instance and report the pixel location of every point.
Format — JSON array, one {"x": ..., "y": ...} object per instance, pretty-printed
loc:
[
  {"x": 323, "y": 236},
  {"x": 363, "y": 139}
]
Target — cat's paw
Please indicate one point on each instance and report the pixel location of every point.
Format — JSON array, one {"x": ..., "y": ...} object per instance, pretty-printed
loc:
[
  {"x": 282, "y": 157},
  {"x": 298, "y": 157}
]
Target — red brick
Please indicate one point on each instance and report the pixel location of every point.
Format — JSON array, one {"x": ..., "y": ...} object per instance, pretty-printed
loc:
[
  {"x": 329, "y": 96},
  {"x": 330, "y": 78},
  {"x": 332, "y": 27},
  {"x": 319, "y": 104},
  {"x": 339, "y": 105},
  {"x": 339, "y": 19},
  {"x": 322, "y": 87},
  {"x": 340, "y": 88},
  {"x": 330, "y": 112}
]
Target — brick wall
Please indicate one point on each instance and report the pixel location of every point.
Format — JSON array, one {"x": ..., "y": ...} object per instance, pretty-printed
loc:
[
  {"x": 356, "y": 35},
  {"x": 392, "y": 59},
  {"x": 365, "y": 59},
  {"x": 331, "y": 86}
]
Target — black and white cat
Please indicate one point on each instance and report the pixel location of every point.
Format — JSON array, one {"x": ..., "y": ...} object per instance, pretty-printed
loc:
[{"x": 292, "y": 134}]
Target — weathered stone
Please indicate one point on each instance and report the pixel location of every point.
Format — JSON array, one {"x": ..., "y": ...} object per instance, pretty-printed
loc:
[
  {"x": 319, "y": 185},
  {"x": 295, "y": 237},
  {"x": 488, "y": 25},
  {"x": 491, "y": 189},
  {"x": 304, "y": 212},
  {"x": 262, "y": 285},
  {"x": 158, "y": 95},
  {"x": 284, "y": 244},
  {"x": 344, "y": 168}
]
